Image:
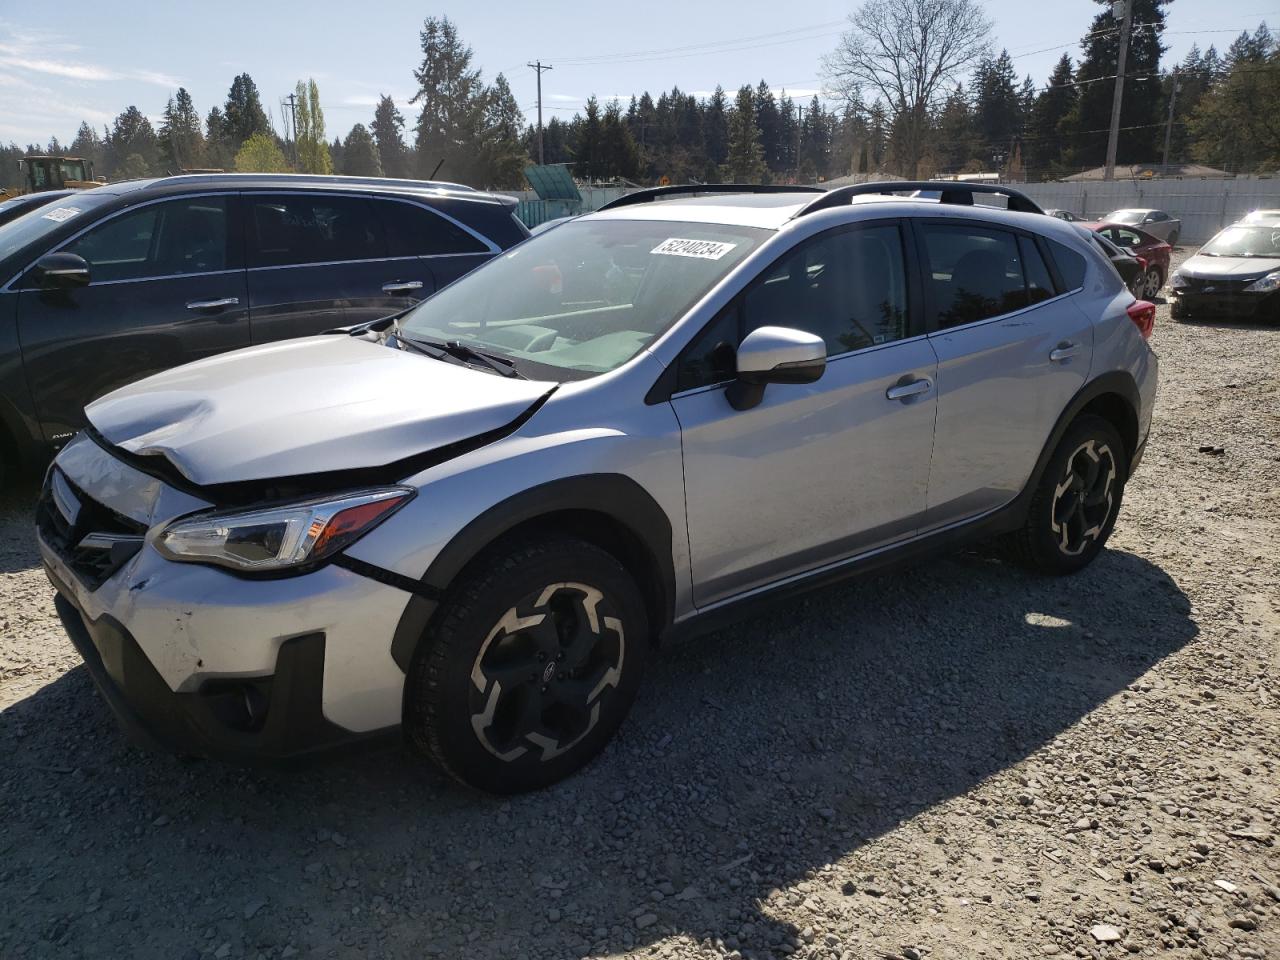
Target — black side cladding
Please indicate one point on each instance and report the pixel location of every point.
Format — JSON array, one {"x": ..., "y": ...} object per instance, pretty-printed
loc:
[{"x": 250, "y": 492}]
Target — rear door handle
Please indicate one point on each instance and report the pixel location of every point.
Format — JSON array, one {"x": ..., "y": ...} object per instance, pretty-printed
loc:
[
  {"x": 1064, "y": 351},
  {"x": 210, "y": 305},
  {"x": 401, "y": 286},
  {"x": 913, "y": 388}
]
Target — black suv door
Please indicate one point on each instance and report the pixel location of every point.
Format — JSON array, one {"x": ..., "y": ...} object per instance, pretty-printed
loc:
[
  {"x": 416, "y": 230},
  {"x": 320, "y": 260},
  {"x": 167, "y": 286}
]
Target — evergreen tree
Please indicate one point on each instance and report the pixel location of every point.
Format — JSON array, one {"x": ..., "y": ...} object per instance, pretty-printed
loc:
[
  {"x": 218, "y": 150},
  {"x": 620, "y": 156},
  {"x": 788, "y": 135},
  {"x": 451, "y": 95},
  {"x": 336, "y": 155},
  {"x": 132, "y": 149},
  {"x": 955, "y": 133},
  {"x": 769, "y": 123},
  {"x": 388, "y": 133},
  {"x": 715, "y": 130},
  {"x": 745, "y": 161},
  {"x": 181, "y": 140},
  {"x": 88, "y": 145},
  {"x": 359, "y": 154},
  {"x": 1232, "y": 125},
  {"x": 588, "y": 149},
  {"x": 996, "y": 110},
  {"x": 312, "y": 143},
  {"x": 242, "y": 114},
  {"x": 502, "y": 154},
  {"x": 1047, "y": 126},
  {"x": 1140, "y": 120}
]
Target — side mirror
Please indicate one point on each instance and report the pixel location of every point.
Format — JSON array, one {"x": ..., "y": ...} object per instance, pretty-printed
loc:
[
  {"x": 61, "y": 271},
  {"x": 775, "y": 355}
]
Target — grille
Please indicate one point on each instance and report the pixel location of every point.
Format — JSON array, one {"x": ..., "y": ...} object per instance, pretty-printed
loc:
[{"x": 93, "y": 540}]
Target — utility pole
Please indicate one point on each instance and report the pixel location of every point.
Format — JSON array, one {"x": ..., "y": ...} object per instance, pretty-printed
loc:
[
  {"x": 1124, "y": 10},
  {"x": 1168, "y": 127},
  {"x": 292, "y": 101},
  {"x": 539, "y": 66}
]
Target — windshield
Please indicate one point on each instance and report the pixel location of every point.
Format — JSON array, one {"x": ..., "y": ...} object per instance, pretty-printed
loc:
[
  {"x": 1244, "y": 242},
  {"x": 1126, "y": 216},
  {"x": 585, "y": 297},
  {"x": 43, "y": 220}
]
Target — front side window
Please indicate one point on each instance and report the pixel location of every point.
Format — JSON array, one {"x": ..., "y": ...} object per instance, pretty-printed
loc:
[
  {"x": 585, "y": 297},
  {"x": 166, "y": 239},
  {"x": 973, "y": 273},
  {"x": 414, "y": 231},
  {"x": 294, "y": 229}
]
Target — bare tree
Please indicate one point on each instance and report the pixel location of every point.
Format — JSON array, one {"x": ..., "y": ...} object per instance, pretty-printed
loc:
[{"x": 909, "y": 51}]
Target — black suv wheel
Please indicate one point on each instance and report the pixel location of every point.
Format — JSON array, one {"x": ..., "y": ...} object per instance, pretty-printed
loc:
[
  {"x": 1076, "y": 503},
  {"x": 530, "y": 667}
]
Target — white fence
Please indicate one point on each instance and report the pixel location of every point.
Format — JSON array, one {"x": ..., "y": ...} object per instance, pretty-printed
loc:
[{"x": 1203, "y": 206}]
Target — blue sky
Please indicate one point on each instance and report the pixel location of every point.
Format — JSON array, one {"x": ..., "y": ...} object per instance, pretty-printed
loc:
[{"x": 87, "y": 63}]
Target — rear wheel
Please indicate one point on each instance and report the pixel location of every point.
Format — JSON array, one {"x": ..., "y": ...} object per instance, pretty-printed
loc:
[
  {"x": 1153, "y": 280},
  {"x": 1075, "y": 506},
  {"x": 531, "y": 665}
]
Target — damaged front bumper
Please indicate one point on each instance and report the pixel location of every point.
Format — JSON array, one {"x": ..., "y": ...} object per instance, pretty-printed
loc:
[{"x": 198, "y": 660}]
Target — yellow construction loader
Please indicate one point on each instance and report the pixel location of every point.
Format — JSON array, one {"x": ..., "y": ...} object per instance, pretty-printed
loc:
[{"x": 53, "y": 173}]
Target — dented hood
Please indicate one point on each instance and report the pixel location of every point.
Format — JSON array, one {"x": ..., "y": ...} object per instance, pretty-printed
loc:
[{"x": 306, "y": 406}]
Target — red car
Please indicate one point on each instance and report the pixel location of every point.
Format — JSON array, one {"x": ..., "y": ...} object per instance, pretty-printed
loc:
[{"x": 1151, "y": 251}]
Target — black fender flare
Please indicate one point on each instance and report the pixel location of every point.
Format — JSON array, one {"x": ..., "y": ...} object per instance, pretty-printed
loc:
[
  {"x": 1117, "y": 382},
  {"x": 614, "y": 495}
]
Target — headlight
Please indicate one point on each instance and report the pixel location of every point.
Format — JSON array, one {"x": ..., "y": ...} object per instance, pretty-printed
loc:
[
  {"x": 1266, "y": 284},
  {"x": 279, "y": 538},
  {"x": 1177, "y": 281}
]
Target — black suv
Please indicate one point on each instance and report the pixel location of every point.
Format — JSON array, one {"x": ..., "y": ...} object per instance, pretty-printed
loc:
[{"x": 112, "y": 284}]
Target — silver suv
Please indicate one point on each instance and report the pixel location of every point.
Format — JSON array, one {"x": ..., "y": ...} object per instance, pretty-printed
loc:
[{"x": 471, "y": 524}]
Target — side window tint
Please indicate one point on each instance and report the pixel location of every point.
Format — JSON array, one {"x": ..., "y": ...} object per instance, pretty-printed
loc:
[
  {"x": 848, "y": 287},
  {"x": 413, "y": 231},
  {"x": 158, "y": 240},
  {"x": 973, "y": 273},
  {"x": 710, "y": 358},
  {"x": 1071, "y": 265},
  {"x": 288, "y": 229},
  {"x": 1039, "y": 283}
]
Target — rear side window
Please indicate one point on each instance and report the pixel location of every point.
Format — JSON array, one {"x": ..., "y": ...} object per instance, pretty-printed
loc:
[
  {"x": 158, "y": 240},
  {"x": 973, "y": 273},
  {"x": 286, "y": 229},
  {"x": 414, "y": 231},
  {"x": 1039, "y": 283},
  {"x": 1070, "y": 264}
]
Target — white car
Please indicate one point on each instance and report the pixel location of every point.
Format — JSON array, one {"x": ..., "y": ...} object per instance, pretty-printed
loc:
[{"x": 1155, "y": 222}]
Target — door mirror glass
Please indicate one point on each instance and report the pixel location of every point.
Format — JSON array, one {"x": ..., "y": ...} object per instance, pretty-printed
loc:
[
  {"x": 61, "y": 271},
  {"x": 775, "y": 355}
]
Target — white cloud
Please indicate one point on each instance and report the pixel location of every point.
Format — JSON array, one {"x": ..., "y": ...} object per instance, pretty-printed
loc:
[{"x": 39, "y": 51}]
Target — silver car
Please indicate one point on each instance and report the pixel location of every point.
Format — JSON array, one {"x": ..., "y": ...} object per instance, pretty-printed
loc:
[
  {"x": 1155, "y": 222},
  {"x": 471, "y": 525}
]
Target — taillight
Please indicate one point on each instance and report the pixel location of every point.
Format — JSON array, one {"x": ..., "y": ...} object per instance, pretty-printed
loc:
[{"x": 1143, "y": 315}]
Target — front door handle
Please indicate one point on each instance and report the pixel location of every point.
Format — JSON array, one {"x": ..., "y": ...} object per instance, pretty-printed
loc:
[
  {"x": 912, "y": 388},
  {"x": 1063, "y": 351},
  {"x": 401, "y": 286},
  {"x": 201, "y": 306}
]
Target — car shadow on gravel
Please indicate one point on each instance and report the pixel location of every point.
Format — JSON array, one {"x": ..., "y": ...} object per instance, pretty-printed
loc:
[
  {"x": 754, "y": 760},
  {"x": 17, "y": 519}
]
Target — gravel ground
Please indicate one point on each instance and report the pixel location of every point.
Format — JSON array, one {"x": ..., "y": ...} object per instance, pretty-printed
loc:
[{"x": 956, "y": 760}]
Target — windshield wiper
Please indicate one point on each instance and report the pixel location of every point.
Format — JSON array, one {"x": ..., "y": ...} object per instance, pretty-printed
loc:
[{"x": 466, "y": 353}]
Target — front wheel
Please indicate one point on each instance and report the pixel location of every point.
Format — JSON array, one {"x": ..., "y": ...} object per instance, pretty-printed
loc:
[
  {"x": 530, "y": 667},
  {"x": 1075, "y": 505}
]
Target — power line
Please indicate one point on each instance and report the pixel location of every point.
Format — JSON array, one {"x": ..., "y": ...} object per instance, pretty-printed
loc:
[{"x": 704, "y": 49}]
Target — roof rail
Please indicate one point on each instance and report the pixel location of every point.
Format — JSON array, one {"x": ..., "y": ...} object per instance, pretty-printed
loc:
[
  {"x": 655, "y": 193},
  {"x": 320, "y": 178},
  {"x": 952, "y": 191}
]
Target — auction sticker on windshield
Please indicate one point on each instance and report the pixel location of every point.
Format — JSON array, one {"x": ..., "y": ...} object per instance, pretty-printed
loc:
[
  {"x": 61, "y": 213},
  {"x": 700, "y": 249}
]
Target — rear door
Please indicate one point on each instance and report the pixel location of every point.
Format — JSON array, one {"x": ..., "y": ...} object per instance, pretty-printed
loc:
[
  {"x": 438, "y": 245},
  {"x": 317, "y": 261},
  {"x": 1012, "y": 351},
  {"x": 167, "y": 287}
]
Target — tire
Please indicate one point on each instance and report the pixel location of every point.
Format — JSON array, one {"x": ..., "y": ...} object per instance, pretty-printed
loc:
[
  {"x": 1173, "y": 238},
  {"x": 1151, "y": 284},
  {"x": 1063, "y": 532},
  {"x": 489, "y": 698}
]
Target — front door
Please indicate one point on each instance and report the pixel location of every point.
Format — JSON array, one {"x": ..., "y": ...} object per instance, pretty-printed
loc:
[
  {"x": 818, "y": 472},
  {"x": 166, "y": 287},
  {"x": 1012, "y": 352}
]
